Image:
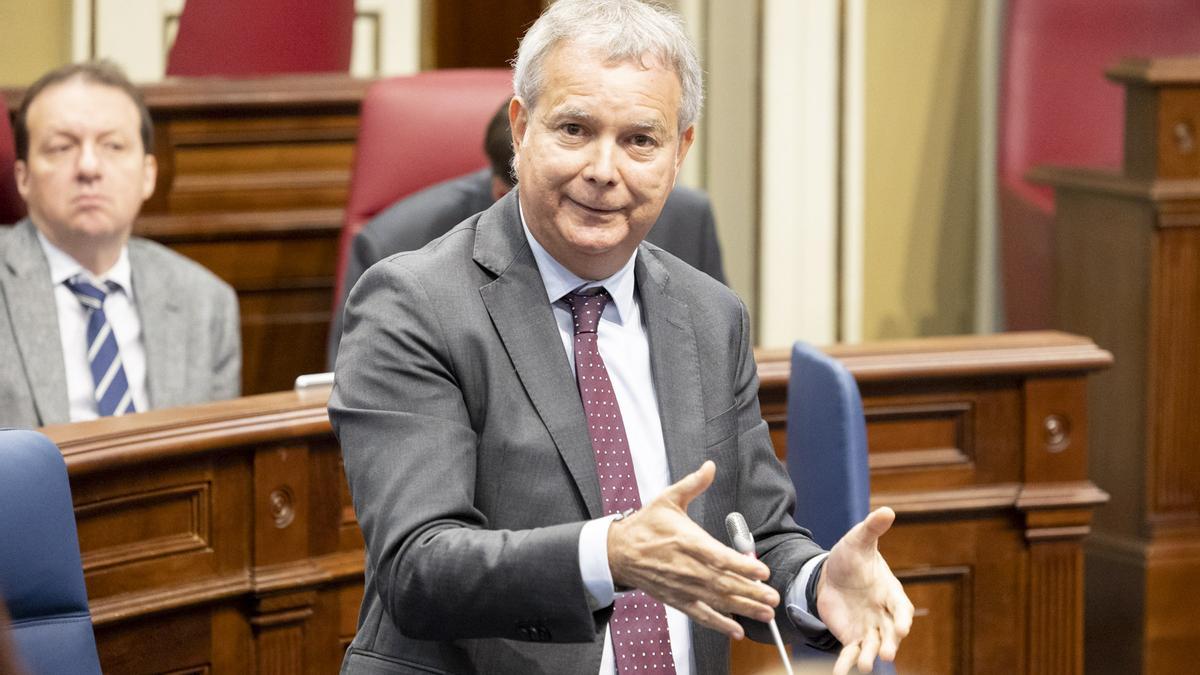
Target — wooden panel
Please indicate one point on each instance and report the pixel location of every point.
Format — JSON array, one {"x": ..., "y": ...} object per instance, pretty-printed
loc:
[
  {"x": 278, "y": 586},
  {"x": 1129, "y": 275},
  {"x": 139, "y": 526},
  {"x": 467, "y": 37},
  {"x": 921, "y": 435},
  {"x": 939, "y": 641},
  {"x": 1173, "y": 386},
  {"x": 181, "y": 644},
  {"x": 1056, "y": 619},
  {"x": 1179, "y": 133}
]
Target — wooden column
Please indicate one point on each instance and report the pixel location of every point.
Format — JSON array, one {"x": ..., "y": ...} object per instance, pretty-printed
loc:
[{"x": 1128, "y": 268}]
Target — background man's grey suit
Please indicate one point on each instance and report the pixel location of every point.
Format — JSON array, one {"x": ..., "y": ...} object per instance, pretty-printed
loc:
[
  {"x": 189, "y": 323},
  {"x": 685, "y": 227},
  {"x": 452, "y": 368}
]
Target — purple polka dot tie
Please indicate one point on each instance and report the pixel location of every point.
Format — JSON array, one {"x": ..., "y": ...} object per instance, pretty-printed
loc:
[{"x": 641, "y": 642}]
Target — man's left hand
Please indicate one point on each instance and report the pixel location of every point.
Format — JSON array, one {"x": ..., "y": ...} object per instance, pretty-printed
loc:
[{"x": 859, "y": 598}]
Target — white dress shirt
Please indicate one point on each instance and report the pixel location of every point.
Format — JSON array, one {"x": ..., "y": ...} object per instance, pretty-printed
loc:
[
  {"x": 122, "y": 314},
  {"x": 621, "y": 340}
]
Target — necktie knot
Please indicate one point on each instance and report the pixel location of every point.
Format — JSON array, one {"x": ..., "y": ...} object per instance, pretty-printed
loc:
[
  {"x": 586, "y": 309},
  {"x": 87, "y": 293}
]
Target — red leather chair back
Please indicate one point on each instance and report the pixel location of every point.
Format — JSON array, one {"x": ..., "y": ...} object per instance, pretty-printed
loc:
[
  {"x": 263, "y": 37},
  {"x": 416, "y": 131},
  {"x": 12, "y": 207},
  {"x": 1057, "y": 107}
]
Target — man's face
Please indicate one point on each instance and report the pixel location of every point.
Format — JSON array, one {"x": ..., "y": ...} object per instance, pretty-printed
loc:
[
  {"x": 86, "y": 173},
  {"x": 597, "y": 157}
]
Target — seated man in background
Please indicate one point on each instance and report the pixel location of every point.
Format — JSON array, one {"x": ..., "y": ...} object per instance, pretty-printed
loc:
[
  {"x": 685, "y": 228},
  {"x": 92, "y": 321}
]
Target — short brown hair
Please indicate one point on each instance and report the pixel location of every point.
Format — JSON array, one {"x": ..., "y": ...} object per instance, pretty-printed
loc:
[{"x": 102, "y": 72}]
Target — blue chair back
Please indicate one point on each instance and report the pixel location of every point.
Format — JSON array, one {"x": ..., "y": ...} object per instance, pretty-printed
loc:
[
  {"x": 827, "y": 454},
  {"x": 826, "y": 445},
  {"x": 41, "y": 577}
]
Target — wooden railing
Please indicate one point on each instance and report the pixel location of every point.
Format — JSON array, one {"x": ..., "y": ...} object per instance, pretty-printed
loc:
[{"x": 220, "y": 538}]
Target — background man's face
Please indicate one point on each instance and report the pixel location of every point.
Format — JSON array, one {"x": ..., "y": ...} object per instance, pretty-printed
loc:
[
  {"x": 598, "y": 157},
  {"x": 86, "y": 173}
]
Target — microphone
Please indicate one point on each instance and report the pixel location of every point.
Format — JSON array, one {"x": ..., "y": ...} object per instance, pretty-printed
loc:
[{"x": 743, "y": 542}]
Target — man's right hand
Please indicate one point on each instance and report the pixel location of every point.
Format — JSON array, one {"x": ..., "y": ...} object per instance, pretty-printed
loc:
[{"x": 661, "y": 551}]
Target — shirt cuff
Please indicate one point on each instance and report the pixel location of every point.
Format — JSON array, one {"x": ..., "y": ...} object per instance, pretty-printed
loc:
[
  {"x": 798, "y": 597},
  {"x": 593, "y": 561},
  {"x": 801, "y": 606}
]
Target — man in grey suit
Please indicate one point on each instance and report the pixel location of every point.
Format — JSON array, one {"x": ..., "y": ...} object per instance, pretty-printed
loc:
[
  {"x": 686, "y": 227},
  {"x": 545, "y": 419},
  {"x": 92, "y": 321}
]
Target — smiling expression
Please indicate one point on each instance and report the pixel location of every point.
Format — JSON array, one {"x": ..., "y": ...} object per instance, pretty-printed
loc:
[{"x": 597, "y": 156}]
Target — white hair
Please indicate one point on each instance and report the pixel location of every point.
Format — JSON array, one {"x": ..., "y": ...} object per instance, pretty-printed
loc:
[{"x": 622, "y": 30}]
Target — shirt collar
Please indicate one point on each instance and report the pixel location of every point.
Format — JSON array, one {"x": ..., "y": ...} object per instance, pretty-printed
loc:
[
  {"x": 63, "y": 267},
  {"x": 560, "y": 281}
]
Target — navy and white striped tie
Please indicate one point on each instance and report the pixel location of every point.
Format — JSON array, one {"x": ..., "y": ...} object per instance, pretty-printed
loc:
[{"x": 112, "y": 389}]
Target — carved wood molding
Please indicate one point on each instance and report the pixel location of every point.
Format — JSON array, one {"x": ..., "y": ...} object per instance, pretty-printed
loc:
[
  {"x": 141, "y": 603},
  {"x": 161, "y": 435},
  {"x": 1036, "y": 352},
  {"x": 1055, "y": 615},
  {"x": 1015, "y": 496},
  {"x": 188, "y": 227},
  {"x": 1111, "y": 183}
]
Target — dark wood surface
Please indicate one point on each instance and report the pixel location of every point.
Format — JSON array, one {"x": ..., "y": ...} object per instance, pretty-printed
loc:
[
  {"x": 220, "y": 538},
  {"x": 1129, "y": 276},
  {"x": 253, "y": 177}
]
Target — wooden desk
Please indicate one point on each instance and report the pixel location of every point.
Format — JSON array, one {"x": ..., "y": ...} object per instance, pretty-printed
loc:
[
  {"x": 220, "y": 538},
  {"x": 1128, "y": 270}
]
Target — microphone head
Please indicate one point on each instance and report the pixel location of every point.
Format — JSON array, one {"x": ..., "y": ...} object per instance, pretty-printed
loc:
[{"x": 739, "y": 533}]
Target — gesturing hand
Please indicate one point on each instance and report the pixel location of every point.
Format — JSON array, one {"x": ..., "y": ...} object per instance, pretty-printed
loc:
[
  {"x": 859, "y": 598},
  {"x": 661, "y": 551}
]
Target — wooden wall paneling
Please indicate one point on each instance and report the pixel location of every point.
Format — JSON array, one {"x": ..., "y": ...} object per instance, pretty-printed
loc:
[
  {"x": 1129, "y": 274},
  {"x": 479, "y": 35},
  {"x": 985, "y": 553}
]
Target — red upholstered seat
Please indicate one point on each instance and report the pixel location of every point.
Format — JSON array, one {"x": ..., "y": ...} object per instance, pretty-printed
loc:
[
  {"x": 1057, "y": 107},
  {"x": 416, "y": 131},
  {"x": 12, "y": 208},
  {"x": 263, "y": 37}
]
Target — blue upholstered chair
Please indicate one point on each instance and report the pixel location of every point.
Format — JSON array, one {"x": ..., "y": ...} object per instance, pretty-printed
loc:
[
  {"x": 41, "y": 577},
  {"x": 827, "y": 451}
]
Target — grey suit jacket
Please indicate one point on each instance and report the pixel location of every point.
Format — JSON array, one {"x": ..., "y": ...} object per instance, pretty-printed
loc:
[
  {"x": 469, "y": 462},
  {"x": 189, "y": 323},
  {"x": 686, "y": 228}
]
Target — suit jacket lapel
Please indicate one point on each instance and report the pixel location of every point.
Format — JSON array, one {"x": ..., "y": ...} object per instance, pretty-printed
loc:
[
  {"x": 516, "y": 301},
  {"x": 31, "y": 309},
  {"x": 159, "y": 300},
  {"x": 675, "y": 367}
]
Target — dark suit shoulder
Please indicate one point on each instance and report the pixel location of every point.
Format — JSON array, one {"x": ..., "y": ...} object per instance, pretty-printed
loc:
[
  {"x": 688, "y": 282},
  {"x": 423, "y": 216},
  {"x": 688, "y": 200}
]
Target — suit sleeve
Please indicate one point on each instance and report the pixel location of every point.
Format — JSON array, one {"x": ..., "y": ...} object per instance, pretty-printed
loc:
[
  {"x": 363, "y": 253},
  {"x": 410, "y": 456},
  {"x": 767, "y": 499},
  {"x": 227, "y": 346}
]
